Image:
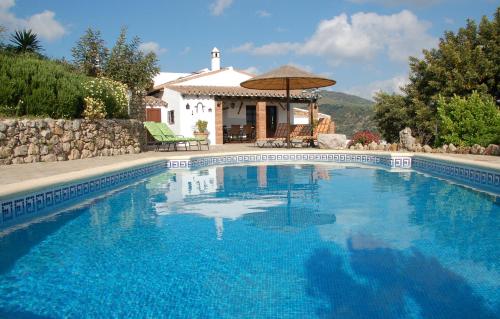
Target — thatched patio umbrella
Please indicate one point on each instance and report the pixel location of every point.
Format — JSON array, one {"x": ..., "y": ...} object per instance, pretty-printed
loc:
[{"x": 287, "y": 78}]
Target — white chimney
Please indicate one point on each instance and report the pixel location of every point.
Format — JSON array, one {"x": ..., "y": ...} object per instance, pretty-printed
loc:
[{"x": 215, "y": 59}]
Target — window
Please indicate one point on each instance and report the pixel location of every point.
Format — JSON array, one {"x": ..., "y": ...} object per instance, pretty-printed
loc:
[{"x": 171, "y": 119}]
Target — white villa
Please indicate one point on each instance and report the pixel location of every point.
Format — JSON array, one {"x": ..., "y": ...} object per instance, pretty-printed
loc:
[{"x": 215, "y": 95}]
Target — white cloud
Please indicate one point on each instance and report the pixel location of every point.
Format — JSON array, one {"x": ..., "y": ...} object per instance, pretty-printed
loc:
[
  {"x": 154, "y": 47},
  {"x": 274, "y": 48},
  {"x": 44, "y": 24},
  {"x": 263, "y": 13},
  {"x": 6, "y": 4},
  {"x": 252, "y": 70},
  {"x": 218, "y": 7},
  {"x": 392, "y": 85},
  {"x": 417, "y": 3},
  {"x": 362, "y": 37}
]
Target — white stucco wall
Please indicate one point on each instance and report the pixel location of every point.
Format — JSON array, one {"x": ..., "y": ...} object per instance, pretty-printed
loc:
[
  {"x": 191, "y": 116},
  {"x": 230, "y": 115}
]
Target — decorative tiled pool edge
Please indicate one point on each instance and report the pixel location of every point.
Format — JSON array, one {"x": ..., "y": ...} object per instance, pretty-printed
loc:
[
  {"x": 480, "y": 178},
  {"x": 30, "y": 205},
  {"x": 388, "y": 161},
  {"x": 23, "y": 208}
]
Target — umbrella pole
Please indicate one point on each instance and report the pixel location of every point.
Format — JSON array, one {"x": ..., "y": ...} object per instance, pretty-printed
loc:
[{"x": 288, "y": 112}]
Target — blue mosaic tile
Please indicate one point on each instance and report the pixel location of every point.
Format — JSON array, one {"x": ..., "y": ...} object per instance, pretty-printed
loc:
[
  {"x": 30, "y": 204},
  {"x": 7, "y": 211},
  {"x": 40, "y": 202},
  {"x": 19, "y": 207}
]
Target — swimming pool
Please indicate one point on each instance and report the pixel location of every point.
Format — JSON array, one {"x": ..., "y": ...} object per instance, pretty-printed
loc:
[{"x": 282, "y": 241}]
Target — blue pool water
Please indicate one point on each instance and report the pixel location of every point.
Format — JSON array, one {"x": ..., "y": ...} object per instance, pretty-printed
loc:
[{"x": 262, "y": 242}]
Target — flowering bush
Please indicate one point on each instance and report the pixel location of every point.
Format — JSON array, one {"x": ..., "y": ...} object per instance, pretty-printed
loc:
[
  {"x": 94, "y": 109},
  {"x": 112, "y": 94},
  {"x": 365, "y": 138}
]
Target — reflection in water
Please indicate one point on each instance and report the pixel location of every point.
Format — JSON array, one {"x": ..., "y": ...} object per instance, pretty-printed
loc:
[
  {"x": 387, "y": 283},
  {"x": 281, "y": 198},
  {"x": 457, "y": 218}
]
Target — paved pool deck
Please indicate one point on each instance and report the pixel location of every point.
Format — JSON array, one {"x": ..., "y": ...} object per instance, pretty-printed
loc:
[{"x": 24, "y": 176}]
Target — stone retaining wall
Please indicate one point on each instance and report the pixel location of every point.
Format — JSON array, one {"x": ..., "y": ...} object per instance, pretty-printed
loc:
[{"x": 48, "y": 140}]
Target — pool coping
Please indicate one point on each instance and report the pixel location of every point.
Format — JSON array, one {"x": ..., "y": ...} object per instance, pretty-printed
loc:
[{"x": 33, "y": 185}]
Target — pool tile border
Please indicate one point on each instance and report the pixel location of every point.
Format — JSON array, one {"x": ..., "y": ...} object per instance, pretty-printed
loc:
[
  {"x": 378, "y": 160},
  {"x": 23, "y": 207},
  {"x": 481, "y": 178}
]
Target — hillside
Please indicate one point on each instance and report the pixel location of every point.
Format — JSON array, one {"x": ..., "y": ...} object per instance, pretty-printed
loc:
[{"x": 351, "y": 113}]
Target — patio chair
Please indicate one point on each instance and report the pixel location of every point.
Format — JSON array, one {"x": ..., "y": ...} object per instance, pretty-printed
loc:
[
  {"x": 299, "y": 130},
  {"x": 180, "y": 139},
  {"x": 278, "y": 138},
  {"x": 322, "y": 128},
  {"x": 248, "y": 132},
  {"x": 235, "y": 133}
]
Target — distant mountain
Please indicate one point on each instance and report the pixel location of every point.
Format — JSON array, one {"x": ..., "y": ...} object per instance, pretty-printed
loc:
[{"x": 350, "y": 113}]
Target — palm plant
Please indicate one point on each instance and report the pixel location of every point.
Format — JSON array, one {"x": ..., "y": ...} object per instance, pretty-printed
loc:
[{"x": 26, "y": 41}]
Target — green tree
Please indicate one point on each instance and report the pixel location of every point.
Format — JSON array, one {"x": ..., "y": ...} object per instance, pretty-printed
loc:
[
  {"x": 391, "y": 115},
  {"x": 89, "y": 53},
  {"x": 129, "y": 65},
  {"x": 25, "y": 41},
  {"x": 463, "y": 62},
  {"x": 469, "y": 120}
]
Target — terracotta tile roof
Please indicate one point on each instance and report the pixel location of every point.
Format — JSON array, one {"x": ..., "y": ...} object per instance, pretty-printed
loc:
[
  {"x": 154, "y": 101},
  {"x": 233, "y": 91}
]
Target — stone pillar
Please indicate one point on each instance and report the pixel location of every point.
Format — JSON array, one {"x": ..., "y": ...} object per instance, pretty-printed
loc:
[
  {"x": 137, "y": 108},
  {"x": 261, "y": 120},
  {"x": 313, "y": 107},
  {"x": 219, "y": 134}
]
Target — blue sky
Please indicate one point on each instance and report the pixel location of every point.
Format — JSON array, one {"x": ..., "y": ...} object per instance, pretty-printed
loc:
[{"x": 363, "y": 44}]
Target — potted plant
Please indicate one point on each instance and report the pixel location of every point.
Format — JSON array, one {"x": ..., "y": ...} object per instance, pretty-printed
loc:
[{"x": 201, "y": 130}]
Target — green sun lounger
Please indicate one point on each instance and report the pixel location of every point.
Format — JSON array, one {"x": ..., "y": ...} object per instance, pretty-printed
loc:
[
  {"x": 182, "y": 140},
  {"x": 164, "y": 136},
  {"x": 158, "y": 136}
]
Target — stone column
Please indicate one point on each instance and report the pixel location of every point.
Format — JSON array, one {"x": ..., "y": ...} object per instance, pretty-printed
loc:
[
  {"x": 219, "y": 134},
  {"x": 261, "y": 120},
  {"x": 137, "y": 107},
  {"x": 313, "y": 107}
]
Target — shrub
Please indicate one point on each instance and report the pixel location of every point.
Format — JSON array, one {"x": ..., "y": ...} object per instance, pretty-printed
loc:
[
  {"x": 94, "y": 109},
  {"x": 465, "y": 121},
  {"x": 112, "y": 93},
  {"x": 39, "y": 87},
  {"x": 201, "y": 126},
  {"x": 364, "y": 137}
]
